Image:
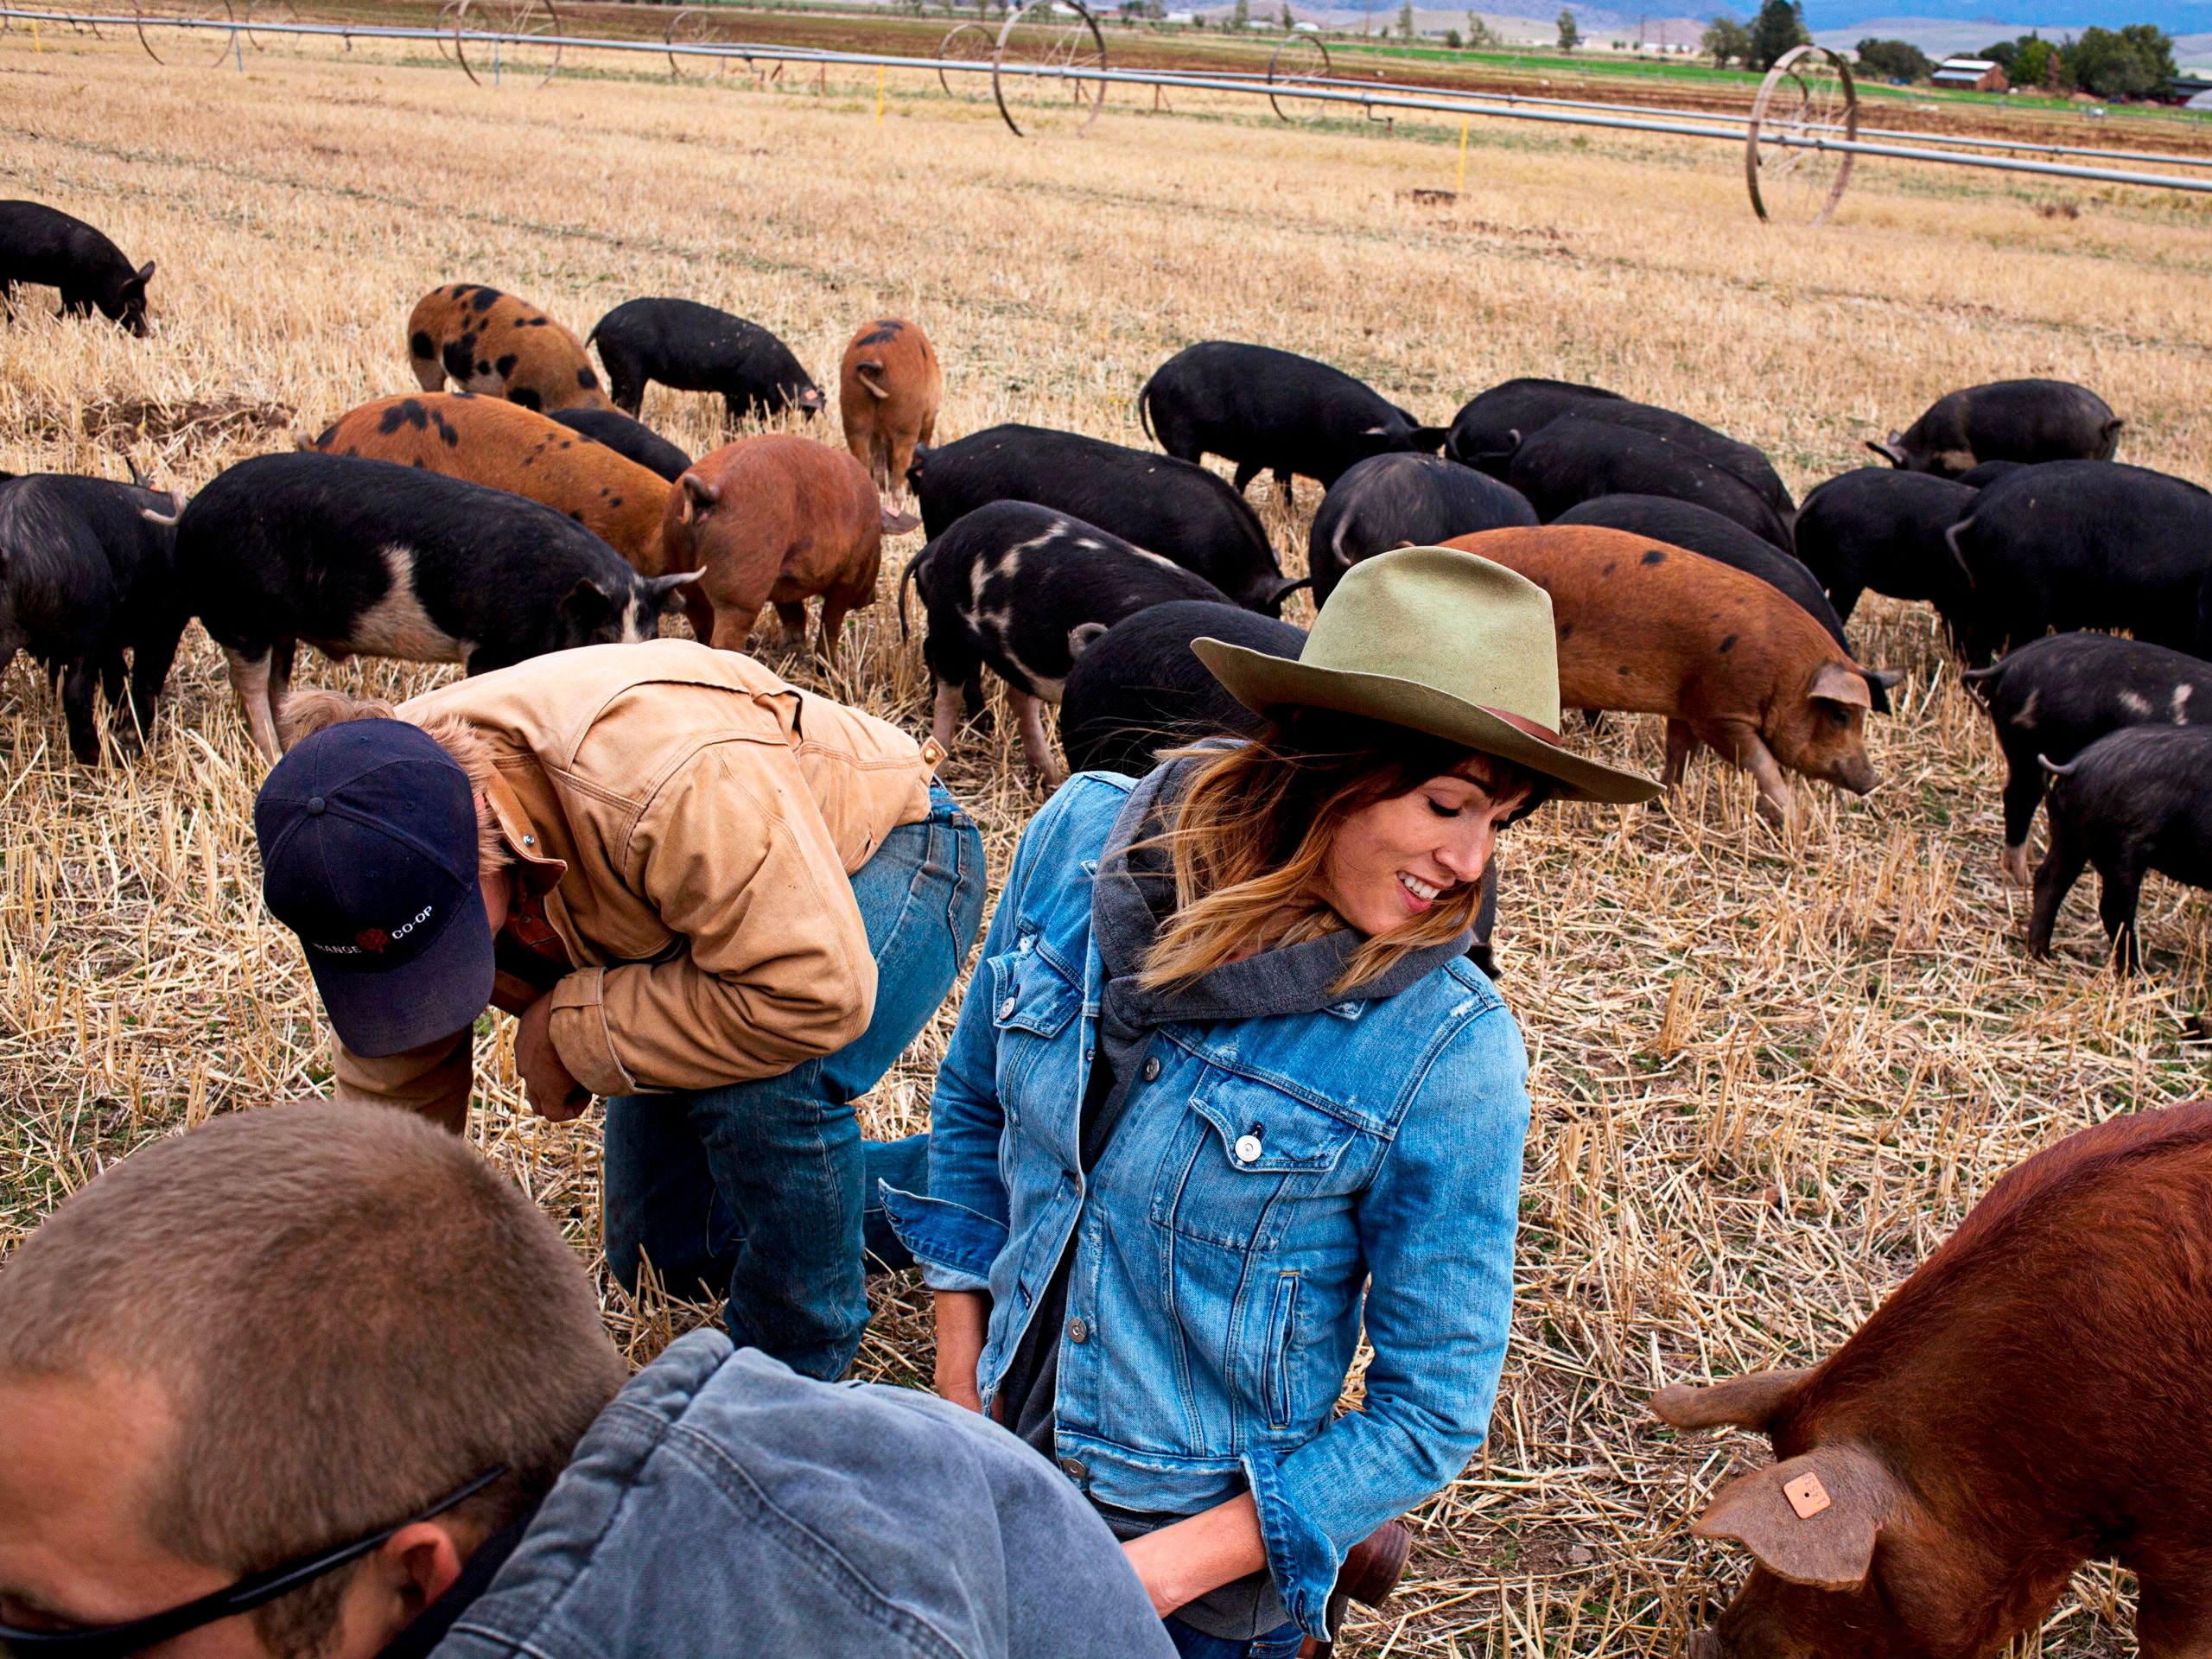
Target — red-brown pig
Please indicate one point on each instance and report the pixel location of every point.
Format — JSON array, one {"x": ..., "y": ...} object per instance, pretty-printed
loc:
[
  {"x": 510, "y": 448},
  {"x": 888, "y": 389},
  {"x": 2033, "y": 1397},
  {"x": 775, "y": 521},
  {"x": 502, "y": 347},
  {"x": 1731, "y": 662}
]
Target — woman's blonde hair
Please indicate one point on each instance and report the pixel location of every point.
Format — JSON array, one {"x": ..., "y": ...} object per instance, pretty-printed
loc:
[
  {"x": 1253, "y": 829},
  {"x": 308, "y": 710}
]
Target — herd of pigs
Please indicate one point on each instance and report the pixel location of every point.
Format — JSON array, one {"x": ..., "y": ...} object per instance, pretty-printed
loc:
[{"x": 1999, "y": 1419}]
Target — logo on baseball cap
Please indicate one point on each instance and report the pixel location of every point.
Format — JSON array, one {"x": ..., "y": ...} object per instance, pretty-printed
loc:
[{"x": 369, "y": 852}]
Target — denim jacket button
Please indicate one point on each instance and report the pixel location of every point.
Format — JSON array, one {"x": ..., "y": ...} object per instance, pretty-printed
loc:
[
  {"x": 1007, "y": 1009},
  {"x": 1078, "y": 1332},
  {"x": 1248, "y": 1148},
  {"x": 1152, "y": 1069},
  {"x": 1074, "y": 1470}
]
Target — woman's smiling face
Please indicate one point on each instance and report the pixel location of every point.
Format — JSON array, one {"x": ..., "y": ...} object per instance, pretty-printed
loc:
[{"x": 1389, "y": 862}]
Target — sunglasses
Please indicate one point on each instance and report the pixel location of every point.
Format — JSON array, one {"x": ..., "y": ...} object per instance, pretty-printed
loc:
[{"x": 255, "y": 1590}]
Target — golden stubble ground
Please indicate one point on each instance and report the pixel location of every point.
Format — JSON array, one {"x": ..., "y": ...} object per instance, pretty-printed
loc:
[{"x": 1770, "y": 1072}]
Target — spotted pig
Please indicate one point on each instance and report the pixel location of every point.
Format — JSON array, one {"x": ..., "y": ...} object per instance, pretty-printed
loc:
[
  {"x": 495, "y": 344},
  {"x": 509, "y": 447}
]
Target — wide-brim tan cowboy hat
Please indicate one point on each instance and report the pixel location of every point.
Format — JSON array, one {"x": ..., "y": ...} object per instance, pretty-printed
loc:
[{"x": 1440, "y": 641}]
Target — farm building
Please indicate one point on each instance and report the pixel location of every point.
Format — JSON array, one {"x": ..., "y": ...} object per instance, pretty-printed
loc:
[{"x": 1971, "y": 75}]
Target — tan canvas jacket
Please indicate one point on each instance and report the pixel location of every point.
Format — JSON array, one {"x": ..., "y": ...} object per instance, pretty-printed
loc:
[{"x": 690, "y": 822}]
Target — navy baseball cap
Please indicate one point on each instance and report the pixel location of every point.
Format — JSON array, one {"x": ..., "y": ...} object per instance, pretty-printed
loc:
[{"x": 369, "y": 852}]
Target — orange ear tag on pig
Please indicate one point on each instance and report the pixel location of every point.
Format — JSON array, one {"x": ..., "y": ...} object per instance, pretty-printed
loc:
[{"x": 1806, "y": 1495}]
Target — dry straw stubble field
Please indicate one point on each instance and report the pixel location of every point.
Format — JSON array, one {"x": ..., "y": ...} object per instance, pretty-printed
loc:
[{"x": 1770, "y": 1071}]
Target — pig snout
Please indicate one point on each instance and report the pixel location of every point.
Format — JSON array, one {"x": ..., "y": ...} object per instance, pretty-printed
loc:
[{"x": 1854, "y": 772}]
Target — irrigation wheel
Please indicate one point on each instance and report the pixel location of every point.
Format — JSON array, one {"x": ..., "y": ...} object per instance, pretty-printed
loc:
[
  {"x": 694, "y": 26},
  {"x": 1806, "y": 101},
  {"x": 1044, "y": 48},
  {"x": 209, "y": 46},
  {"x": 521, "y": 24},
  {"x": 1297, "y": 60},
  {"x": 448, "y": 22},
  {"x": 964, "y": 43}
]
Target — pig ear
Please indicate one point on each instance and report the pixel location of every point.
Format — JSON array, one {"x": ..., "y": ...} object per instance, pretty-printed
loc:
[
  {"x": 1431, "y": 438},
  {"x": 1753, "y": 1400},
  {"x": 1888, "y": 451},
  {"x": 1888, "y": 678},
  {"x": 1812, "y": 1520},
  {"x": 697, "y": 496},
  {"x": 1844, "y": 683},
  {"x": 661, "y": 591},
  {"x": 586, "y": 605}
]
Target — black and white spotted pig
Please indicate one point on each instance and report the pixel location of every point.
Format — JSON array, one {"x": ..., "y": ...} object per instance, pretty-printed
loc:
[
  {"x": 370, "y": 557},
  {"x": 1022, "y": 589},
  {"x": 500, "y": 347},
  {"x": 693, "y": 347},
  {"x": 2137, "y": 801},
  {"x": 631, "y": 439},
  {"x": 83, "y": 577},
  {"x": 1174, "y": 508},
  {"x": 2053, "y": 697},
  {"x": 42, "y": 244}
]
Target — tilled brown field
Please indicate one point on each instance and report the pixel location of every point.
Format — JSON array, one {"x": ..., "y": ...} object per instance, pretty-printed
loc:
[{"x": 1770, "y": 1072}]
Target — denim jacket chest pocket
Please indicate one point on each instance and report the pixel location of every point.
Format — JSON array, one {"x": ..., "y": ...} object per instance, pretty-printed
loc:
[
  {"x": 1033, "y": 999},
  {"x": 1248, "y": 1161}
]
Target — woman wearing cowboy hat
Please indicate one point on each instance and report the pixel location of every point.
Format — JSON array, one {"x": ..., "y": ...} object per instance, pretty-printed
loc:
[{"x": 1226, "y": 1086}]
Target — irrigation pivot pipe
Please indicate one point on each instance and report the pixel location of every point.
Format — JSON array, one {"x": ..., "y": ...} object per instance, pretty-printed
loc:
[{"x": 1499, "y": 106}]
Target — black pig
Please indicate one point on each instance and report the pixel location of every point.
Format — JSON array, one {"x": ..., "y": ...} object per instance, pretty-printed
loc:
[
  {"x": 1884, "y": 529},
  {"x": 1174, "y": 508},
  {"x": 43, "y": 244},
  {"x": 83, "y": 577},
  {"x": 693, "y": 348},
  {"x": 1576, "y": 459},
  {"x": 1269, "y": 409},
  {"x": 1490, "y": 426},
  {"x": 1981, "y": 477},
  {"x": 2137, "y": 801},
  {"x": 370, "y": 557},
  {"x": 630, "y": 438},
  {"x": 1403, "y": 501},
  {"x": 1024, "y": 589},
  {"x": 2007, "y": 420},
  {"x": 2075, "y": 544},
  {"x": 2053, "y": 697}
]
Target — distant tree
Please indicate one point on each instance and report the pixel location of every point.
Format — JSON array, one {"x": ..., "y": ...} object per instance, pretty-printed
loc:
[
  {"x": 2004, "y": 54},
  {"x": 1240, "y": 14},
  {"x": 2036, "y": 62},
  {"x": 1727, "y": 41},
  {"x": 1894, "y": 61},
  {"x": 1406, "y": 21},
  {"x": 2131, "y": 62},
  {"x": 1779, "y": 26},
  {"x": 1452, "y": 39},
  {"x": 1570, "y": 37},
  {"x": 1478, "y": 32},
  {"x": 1286, "y": 20}
]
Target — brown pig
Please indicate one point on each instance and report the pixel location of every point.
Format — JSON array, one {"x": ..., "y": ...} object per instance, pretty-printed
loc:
[
  {"x": 1731, "y": 662},
  {"x": 2034, "y": 1396},
  {"x": 888, "y": 389},
  {"x": 775, "y": 519},
  {"x": 510, "y": 448},
  {"x": 502, "y": 347}
]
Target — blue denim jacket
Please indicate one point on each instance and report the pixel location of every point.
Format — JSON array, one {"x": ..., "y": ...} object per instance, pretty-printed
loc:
[
  {"x": 1223, "y": 1240},
  {"x": 725, "y": 1504}
]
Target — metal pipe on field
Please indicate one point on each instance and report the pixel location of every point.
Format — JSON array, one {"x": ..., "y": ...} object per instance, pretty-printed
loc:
[{"x": 1497, "y": 105}]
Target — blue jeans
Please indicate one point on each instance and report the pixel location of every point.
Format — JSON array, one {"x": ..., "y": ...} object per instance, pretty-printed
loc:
[
  {"x": 1281, "y": 1643},
  {"x": 765, "y": 1188}
]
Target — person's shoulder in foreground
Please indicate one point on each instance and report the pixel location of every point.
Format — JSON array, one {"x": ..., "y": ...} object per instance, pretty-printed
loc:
[
  {"x": 320, "y": 1379},
  {"x": 725, "y": 1503}
]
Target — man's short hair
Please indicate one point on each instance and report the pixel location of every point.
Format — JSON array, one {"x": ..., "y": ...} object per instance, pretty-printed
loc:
[{"x": 350, "y": 1313}]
